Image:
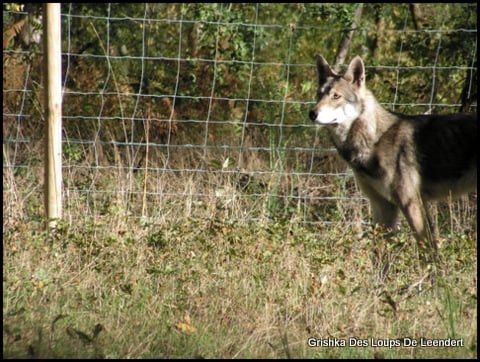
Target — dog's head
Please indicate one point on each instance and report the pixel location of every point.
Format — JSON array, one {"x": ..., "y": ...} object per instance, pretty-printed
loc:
[{"x": 339, "y": 98}]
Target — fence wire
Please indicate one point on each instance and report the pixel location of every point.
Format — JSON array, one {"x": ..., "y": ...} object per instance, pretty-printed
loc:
[{"x": 200, "y": 111}]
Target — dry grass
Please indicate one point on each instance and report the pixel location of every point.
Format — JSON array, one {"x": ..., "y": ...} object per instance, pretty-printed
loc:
[{"x": 123, "y": 289}]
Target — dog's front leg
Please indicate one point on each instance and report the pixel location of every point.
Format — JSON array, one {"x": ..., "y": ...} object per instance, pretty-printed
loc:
[
  {"x": 384, "y": 213},
  {"x": 417, "y": 216}
]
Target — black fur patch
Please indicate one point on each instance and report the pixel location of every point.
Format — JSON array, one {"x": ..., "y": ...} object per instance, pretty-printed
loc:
[{"x": 446, "y": 145}]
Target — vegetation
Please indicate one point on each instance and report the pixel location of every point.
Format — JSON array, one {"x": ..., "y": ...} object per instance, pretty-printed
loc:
[
  {"x": 216, "y": 289},
  {"x": 204, "y": 216}
]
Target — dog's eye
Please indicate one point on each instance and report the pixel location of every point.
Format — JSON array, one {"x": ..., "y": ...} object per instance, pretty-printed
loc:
[{"x": 336, "y": 96}]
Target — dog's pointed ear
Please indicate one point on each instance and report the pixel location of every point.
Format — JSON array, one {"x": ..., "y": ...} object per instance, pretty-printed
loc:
[
  {"x": 356, "y": 72},
  {"x": 324, "y": 70}
]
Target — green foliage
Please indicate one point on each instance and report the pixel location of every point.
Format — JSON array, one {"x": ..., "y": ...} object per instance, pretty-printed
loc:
[{"x": 232, "y": 52}]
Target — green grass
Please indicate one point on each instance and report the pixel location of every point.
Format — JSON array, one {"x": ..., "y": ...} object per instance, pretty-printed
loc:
[{"x": 214, "y": 289}]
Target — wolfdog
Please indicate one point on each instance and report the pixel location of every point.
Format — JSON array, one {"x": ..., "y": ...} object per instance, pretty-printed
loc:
[{"x": 399, "y": 161}]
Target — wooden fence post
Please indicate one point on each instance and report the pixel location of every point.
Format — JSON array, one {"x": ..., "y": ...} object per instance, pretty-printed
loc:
[{"x": 53, "y": 112}]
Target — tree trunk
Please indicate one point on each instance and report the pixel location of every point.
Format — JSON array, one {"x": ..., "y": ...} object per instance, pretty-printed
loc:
[
  {"x": 469, "y": 92},
  {"x": 347, "y": 39},
  {"x": 416, "y": 15}
]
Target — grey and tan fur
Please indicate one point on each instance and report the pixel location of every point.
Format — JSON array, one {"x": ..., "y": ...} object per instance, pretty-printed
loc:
[{"x": 399, "y": 161}]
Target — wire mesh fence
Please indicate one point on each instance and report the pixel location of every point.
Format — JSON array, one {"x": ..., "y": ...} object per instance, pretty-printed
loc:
[{"x": 201, "y": 110}]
